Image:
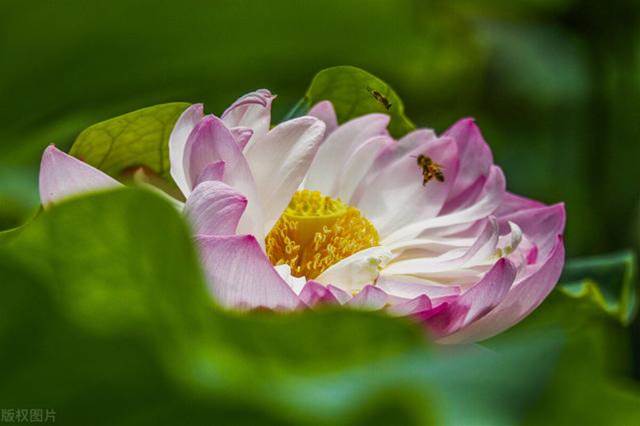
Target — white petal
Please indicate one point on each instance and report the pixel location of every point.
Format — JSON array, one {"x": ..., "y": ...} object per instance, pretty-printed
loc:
[
  {"x": 352, "y": 273},
  {"x": 482, "y": 252},
  {"x": 280, "y": 160},
  {"x": 358, "y": 165},
  {"x": 177, "y": 142},
  {"x": 338, "y": 148},
  {"x": 398, "y": 197},
  {"x": 296, "y": 283},
  {"x": 487, "y": 204},
  {"x": 252, "y": 110},
  {"x": 410, "y": 287}
]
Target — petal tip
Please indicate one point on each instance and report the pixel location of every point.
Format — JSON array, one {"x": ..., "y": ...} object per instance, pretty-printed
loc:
[
  {"x": 197, "y": 107},
  {"x": 52, "y": 151},
  {"x": 241, "y": 199},
  {"x": 466, "y": 123},
  {"x": 323, "y": 104}
]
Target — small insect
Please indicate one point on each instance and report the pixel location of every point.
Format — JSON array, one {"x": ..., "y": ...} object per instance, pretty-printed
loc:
[
  {"x": 430, "y": 169},
  {"x": 380, "y": 98}
]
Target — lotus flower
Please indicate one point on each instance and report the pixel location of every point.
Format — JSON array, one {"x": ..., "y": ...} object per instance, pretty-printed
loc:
[{"x": 310, "y": 213}]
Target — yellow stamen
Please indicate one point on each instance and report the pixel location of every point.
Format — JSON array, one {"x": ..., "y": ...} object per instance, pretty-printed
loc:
[{"x": 315, "y": 232}]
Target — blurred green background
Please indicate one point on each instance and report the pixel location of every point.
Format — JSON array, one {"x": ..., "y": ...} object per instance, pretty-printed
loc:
[{"x": 554, "y": 85}]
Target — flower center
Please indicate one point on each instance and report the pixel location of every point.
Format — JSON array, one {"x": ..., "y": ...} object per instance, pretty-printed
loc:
[{"x": 315, "y": 232}]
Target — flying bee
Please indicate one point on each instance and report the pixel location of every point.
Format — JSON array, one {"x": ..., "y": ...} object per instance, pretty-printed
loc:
[
  {"x": 380, "y": 98},
  {"x": 430, "y": 169}
]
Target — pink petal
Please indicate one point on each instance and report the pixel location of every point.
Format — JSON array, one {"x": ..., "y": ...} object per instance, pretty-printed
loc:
[
  {"x": 62, "y": 176},
  {"x": 340, "y": 295},
  {"x": 371, "y": 298},
  {"x": 324, "y": 111},
  {"x": 523, "y": 297},
  {"x": 213, "y": 171},
  {"x": 314, "y": 293},
  {"x": 374, "y": 298},
  {"x": 177, "y": 142},
  {"x": 241, "y": 135},
  {"x": 204, "y": 145},
  {"x": 211, "y": 142},
  {"x": 280, "y": 161},
  {"x": 466, "y": 198},
  {"x": 532, "y": 255},
  {"x": 512, "y": 203},
  {"x": 415, "y": 306},
  {"x": 240, "y": 275},
  {"x": 475, "y": 155},
  {"x": 478, "y": 300},
  {"x": 430, "y": 313},
  {"x": 541, "y": 225},
  {"x": 252, "y": 110},
  {"x": 215, "y": 208}
]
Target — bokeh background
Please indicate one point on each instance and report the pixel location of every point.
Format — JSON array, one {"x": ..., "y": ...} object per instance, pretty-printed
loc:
[{"x": 554, "y": 84}]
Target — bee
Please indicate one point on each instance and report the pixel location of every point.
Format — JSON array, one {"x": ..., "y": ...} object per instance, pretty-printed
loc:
[
  {"x": 430, "y": 169},
  {"x": 380, "y": 98}
]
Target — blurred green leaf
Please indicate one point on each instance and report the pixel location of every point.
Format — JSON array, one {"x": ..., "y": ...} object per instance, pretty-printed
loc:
[
  {"x": 18, "y": 195},
  {"x": 7, "y": 235},
  {"x": 122, "y": 330},
  {"x": 609, "y": 281},
  {"x": 139, "y": 138},
  {"x": 212, "y": 53},
  {"x": 355, "y": 92},
  {"x": 591, "y": 383},
  {"x": 504, "y": 8}
]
